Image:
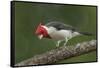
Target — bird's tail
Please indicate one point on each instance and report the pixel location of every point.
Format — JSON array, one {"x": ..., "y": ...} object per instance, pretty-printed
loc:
[{"x": 86, "y": 33}]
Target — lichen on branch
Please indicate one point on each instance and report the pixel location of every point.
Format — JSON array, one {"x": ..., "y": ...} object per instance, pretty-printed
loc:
[{"x": 60, "y": 53}]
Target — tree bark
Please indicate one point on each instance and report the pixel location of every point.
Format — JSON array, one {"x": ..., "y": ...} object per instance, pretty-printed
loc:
[{"x": 60, "y": 53}]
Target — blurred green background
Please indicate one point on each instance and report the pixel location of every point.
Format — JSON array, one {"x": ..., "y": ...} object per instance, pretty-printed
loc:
[{"x": 29, "y": 15}]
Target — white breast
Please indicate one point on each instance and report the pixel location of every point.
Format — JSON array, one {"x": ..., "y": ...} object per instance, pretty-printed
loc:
[{"x": 59, "y": 34}]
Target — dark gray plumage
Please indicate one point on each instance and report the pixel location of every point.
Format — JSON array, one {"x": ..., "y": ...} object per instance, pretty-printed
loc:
[{"x": 60, "y": 26}]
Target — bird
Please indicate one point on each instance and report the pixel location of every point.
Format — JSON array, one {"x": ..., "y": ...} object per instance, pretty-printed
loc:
[{"x": 58, "y": 31}]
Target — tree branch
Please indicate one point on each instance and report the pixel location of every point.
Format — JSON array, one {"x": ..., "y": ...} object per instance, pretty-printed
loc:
[{"x": 60, "y": 53}]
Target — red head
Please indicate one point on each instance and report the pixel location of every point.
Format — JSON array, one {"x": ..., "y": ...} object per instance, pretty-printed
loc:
[{"x": 41, "y": 31}]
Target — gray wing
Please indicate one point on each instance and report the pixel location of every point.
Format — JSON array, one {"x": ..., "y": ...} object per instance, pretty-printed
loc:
[{"x": 59, "y": 26}]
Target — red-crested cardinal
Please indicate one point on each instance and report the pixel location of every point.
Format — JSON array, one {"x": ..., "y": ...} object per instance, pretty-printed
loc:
[{"x": 57, "y": 31}]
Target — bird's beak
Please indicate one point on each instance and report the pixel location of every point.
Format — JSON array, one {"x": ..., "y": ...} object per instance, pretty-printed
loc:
[{"x": 40, "y": 36}]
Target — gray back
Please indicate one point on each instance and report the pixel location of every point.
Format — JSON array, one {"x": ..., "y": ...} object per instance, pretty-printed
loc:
[{"x": 59, "y": 26}]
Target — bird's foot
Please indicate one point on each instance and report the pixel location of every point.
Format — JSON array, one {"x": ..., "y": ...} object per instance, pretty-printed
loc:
[
  {"x": 65, "y": 44},
  {"x": 56, "y": 46},
  {"x": 58, "y": 43}
]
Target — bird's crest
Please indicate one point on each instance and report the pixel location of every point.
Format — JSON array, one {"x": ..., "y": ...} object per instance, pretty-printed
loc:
[{"x": 38, "y": 28}]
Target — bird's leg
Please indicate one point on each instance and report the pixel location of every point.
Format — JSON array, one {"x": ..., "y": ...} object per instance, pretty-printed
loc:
[
  {"x": 66, "y": 40},
  {"x": 57, "y": 44}
]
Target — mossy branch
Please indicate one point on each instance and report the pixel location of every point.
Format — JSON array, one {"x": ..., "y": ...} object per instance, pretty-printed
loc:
[{"x": 60, "y": 53}]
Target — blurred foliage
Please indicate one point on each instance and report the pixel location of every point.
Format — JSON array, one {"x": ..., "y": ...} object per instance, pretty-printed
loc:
[{"x": 29, "y": 15}]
